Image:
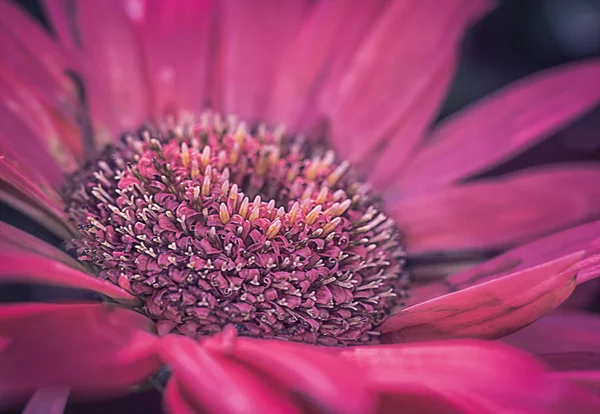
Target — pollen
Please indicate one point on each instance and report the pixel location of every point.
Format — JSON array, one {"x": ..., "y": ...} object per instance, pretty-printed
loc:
[{"x": 212, "y": 223}]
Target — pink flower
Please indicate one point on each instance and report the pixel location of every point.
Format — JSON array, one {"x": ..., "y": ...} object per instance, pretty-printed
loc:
[{"x": 166, "y": 224}]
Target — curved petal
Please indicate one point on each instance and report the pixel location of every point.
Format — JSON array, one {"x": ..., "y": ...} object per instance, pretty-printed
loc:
[
  {"x": 174, "y": 401},
  {"x": 475, "y": 376},
  {"x": 29, "y": 193},
  {"x": 252, "y": 39},
  {"x": 410, "y": 130},
  {"x": 393, "y": 66},
  {"x": 92, "y": 349},
  {"x": 48, "y": 401},
  {"x": 328, "y": 36},
  {"x": 59, "y": 14},
  {"x": 565, "y": 339},
  {"x": 27, "y": 126},
  {"x": 11, "y": 238},
  {"x": 500, "y": 212},
  {"x": 307, "y": 370},
  {"x": 505, "y": 124},
  {"x": 175, "y": 39},
  {"x": 581, "y": 238},
  {"x": 587, "y": 379},
  {"x": 24, "y": 268},
  {"x": 104, "y": 37},
  {"x": 217, "y": 384},
  {"x": 487, "y": 310},
  {"x": 39, "y": 61},
  {"x": 418, "y": 400}
]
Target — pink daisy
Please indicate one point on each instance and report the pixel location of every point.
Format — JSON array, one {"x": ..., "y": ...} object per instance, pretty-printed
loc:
[{"x": 267, "y": 272}]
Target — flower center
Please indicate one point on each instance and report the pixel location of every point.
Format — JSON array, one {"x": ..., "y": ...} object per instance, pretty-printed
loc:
[{"x": 211, "y": 225}]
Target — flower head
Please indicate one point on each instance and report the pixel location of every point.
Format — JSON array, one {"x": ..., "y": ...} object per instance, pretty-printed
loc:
[
  {"x": 229, "y": 249},
  {"x": 176, "y": 216}
]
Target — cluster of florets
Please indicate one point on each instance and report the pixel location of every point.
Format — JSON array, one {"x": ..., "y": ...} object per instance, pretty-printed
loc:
[{"x": 211, "y": 225}]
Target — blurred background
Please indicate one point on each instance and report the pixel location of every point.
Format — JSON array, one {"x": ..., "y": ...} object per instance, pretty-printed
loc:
[{"x": 520, "y": 37}]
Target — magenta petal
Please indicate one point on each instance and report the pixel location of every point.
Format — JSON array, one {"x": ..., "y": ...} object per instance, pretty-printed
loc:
[
  {"x": 309, "y": 371},
  {"x": 28, "y": 50},
  {"x": 328, "y": 36},
  {"x": 92, "y": 349},
  {"x": 418, "y": 400},
  {"x": 253, "y": 38},
  {"x": 29, "y": 268},
  {"x": 14, "y": 239},
  {"x": 565, "y": 339},
  {"x": 31, "y": 195},
  {"x": 488, "y": 310},
  {"x": 175, "y": 39},
  {"x": 503, "y": 125},
  {"x": 174, "y": 402},
  {"x": 219, "y": 385},
  {"x": 474, "y": 375},
  {"x": 48, "y": 401},
  {"x": 59, "y": 19},
  {"x": 580, "y": 238},
  {"x": 500, "y": 212},
  {"x": 118, "y": 94},
  {"x": 391, "y": 69},
  {"x": 26, "y": 121},
  {"x": 587, "y": 379},
  {"x": 388, "y": 160}
]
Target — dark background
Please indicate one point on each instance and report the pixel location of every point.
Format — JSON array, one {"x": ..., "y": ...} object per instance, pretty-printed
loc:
[{"x": 518, "y": 38}]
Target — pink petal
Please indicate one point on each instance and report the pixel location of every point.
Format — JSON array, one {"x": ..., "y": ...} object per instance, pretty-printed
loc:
[
  {"x": 58, "y": 14},
  {"x": 309, "y": 371},
  {"x": 473, "y": 375},
  {"x": 13, "y": 239},
  {"x": 28, "y": 268},
  {"x": 38, "y": 60},
  {"x": 490, "y": 309},
  {"x": 583, "y": 396},
  {"x": 394, "y": 65},
  {"x": 28, "y": 126},
  {"x": 175, "y": 39},
  {"x": 329, "y": 34},
  {"x": 507, "y": 123},
  {"x": 253, "y": 37},
  {"x": 30, "y": 194},
  {"x": 48, "y": 401},
  {"x": 118, "y": 94},
  {"x": 384, "y": 164},
  {"x": 417, "y": 400},
  {"x": 566, "y": 339},
  {"x": 590, "y": 267},
  {"x": 580, "y": 238},
  {"x": 587, "y": 379},
  {"x": 174, "y": 402},
  {"x": 92, "y": 349},
  {"x": 217, "y": 384},
  {"x": 584, "y": 296},
  {"x": 500, "y": 212}
]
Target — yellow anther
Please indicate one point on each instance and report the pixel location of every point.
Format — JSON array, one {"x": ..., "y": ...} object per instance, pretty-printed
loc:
[
  {"x": 322, "y": 195},
  {"x": 294, "y": 212},
  {"x": 254, "y": 214},
  {"x": 244, "y": 208},
  {"x": 273, "y": 229},
  {"x": 206, "y": 186},
  {"x": 336, "y": 174},
  {"x": 224, "y": 213},
  {"x": 312, "y": 216},
  {"x": 329, "y": 227},
  {"x": 185, "y": 155},
  {"x": 205, "y": 157}
]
